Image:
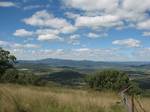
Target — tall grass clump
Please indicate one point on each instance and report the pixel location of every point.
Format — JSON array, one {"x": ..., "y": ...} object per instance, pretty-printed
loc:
[{"x": 15, "y": 98}]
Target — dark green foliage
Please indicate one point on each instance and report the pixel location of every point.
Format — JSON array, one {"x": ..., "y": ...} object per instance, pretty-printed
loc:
[
  {"x": 108, "y": 79},
  {"x": 66, "y": 77},
  {"x": 28, "y": 78},
  {"x": 134, "y": 89},
  {"x": 10, "y": 76},
  {"x": 6, "y": 61}
]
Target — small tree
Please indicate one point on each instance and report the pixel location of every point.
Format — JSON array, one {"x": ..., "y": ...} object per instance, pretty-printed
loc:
[
  {"x": 6, "y": 61},
  {"x": 10, "y": 76},
  {"x": 108, "y": 79}
]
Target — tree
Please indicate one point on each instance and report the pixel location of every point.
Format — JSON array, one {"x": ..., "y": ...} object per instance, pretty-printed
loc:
[
  {"x": 7, "y": 61},
  {"x": 108, "y": 79},
  {"x": 8, "y": 73},
  {"x": 10, "y": 76}
]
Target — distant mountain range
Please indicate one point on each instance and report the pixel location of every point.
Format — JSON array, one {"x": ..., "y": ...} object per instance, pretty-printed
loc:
[{"x": 49, "y": 62}]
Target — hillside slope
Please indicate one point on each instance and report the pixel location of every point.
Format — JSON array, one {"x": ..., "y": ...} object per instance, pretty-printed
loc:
[{"x": 42, "y": 99}]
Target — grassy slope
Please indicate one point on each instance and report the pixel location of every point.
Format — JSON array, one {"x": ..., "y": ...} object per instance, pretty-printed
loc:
[{"x": 15, "y": 98}]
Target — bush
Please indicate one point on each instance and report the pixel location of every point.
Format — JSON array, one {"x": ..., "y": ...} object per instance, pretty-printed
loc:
[
  {"x": 7, "y": 61},
  {"x": 108, "y": 79},
  {"x": 19, "y": 77},
  {"x": 134, "y": 89},
  {"x": 10, "y": 76},
  {"x": 28, "y": 78}
]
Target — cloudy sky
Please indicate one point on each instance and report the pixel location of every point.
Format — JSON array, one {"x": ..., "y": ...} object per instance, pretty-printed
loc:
[{"x": 100, "y": 30}]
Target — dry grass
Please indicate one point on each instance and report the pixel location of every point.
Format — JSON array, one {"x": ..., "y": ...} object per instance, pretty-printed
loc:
[
  {"x": 146, "y": 103},
  {"x": 15, "y": 98}
]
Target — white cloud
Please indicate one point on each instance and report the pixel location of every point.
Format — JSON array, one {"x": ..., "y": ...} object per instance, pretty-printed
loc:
[
  {"x": 96, "y": 35},
  {"x": 146, "y": 33},
  {"x": 68, "y": 29},
  {"x": 22, "y": 46},
  {"x": 98, "y": 21},
  {"x": 144, "y": 24},
  {"x": 14, "y": 45},
  {"x": 74, "y": 39},
  {"x": 82, "y": 50},
  {"x": 23, "y": 33},
  {"x": 111, "y": 13},
  {"x": 30, "y": 7},
  {"x": 127, "y": 42},
  {"x": 87, "y": 5},
  {"x": 45, "y": 19},
  {"x": 93, "y": 35},
  {"x": 142, "y": 54},
  {"x": 47, "y": 31},
  {"x": 31, "y": 46},
  {"x": 49, "y": 37},
  {"x": 7, "y": 4},
  {"x": 41, "y": 34},
  {"x": 71, "y": 15},
  {"x": 136, "y": 5},
  {"x": 3, "y": 43}
]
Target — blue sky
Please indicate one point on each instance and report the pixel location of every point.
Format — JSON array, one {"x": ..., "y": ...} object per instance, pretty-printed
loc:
[{"x": 100, "y": 30}]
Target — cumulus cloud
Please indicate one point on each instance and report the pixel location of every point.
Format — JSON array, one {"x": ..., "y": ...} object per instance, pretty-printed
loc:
[
  {"x": 68, "y": 29},
  {"x": 30, "y": 7},
  {"x": 142, "y": 54},
  {"x": 146, "y": 33},
  {"x": 3, "y": 43},
  {"x": 23, "y": 33},
  {"x": 111, "y": 13},
  {"x": 31, "y": 46},
  {"x": 95, "y": 35},
  {"x": 22, "y": 46},
  {"x": 144, "y": 24},
  {"x": 45, "y": 19},
  {"x": 82, "y": 50},
  {"x": 7, "y": 4},
  {"x": 71, "y": 15},
  {"x": 74, "y": 39},
  {"x": 130, "y": 5},
  {"x": 107, "y": 5},
  {"x": 14, "y": 45},
  {"x": 98, "y": 21},
  {"x": 47, "y": 31},
  {"x": 46, "y": 34},
  {"x": 127, "y": 42},
  {"x": 49, "y": 37}
]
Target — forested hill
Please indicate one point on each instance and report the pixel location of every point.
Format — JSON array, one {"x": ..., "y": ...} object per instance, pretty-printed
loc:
[{"x": 80, "y": 64}]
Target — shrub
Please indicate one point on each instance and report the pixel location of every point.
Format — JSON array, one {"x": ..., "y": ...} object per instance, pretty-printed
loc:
[
  {"x": 107, "y": 79},
  {"x": 6, "y": 61},
  {"x": 10, "y": 76},
  {"x": 28, "y": 78},
  {"x": 134, "y": 89}
]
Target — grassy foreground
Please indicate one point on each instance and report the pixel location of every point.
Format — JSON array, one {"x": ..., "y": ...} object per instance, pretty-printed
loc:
[{"x": 15, "y": 98}]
